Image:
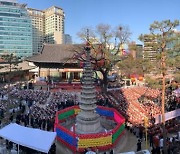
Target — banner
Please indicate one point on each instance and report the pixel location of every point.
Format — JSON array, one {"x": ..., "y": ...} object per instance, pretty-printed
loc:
[{"x": 168, "y": 116}]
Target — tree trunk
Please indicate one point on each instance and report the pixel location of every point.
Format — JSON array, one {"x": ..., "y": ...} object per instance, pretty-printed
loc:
[
  {"x": 163, "y": 102},
  {"x": 10, "y": 70},
  {"x": 104, "y": 81}
]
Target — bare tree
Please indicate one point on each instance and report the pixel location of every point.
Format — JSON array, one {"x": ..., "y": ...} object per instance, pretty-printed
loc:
[
  {"x": 11, "y": 61},
  {"x": 105, "y": 45}
]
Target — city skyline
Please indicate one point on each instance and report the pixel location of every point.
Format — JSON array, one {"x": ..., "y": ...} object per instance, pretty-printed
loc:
[{"x": 137, "y": 15}]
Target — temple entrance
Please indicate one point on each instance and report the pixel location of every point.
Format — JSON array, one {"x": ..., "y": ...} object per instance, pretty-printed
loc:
[
  {"x": 76, "y": 76},
  {"x": 64, "y": 77}
]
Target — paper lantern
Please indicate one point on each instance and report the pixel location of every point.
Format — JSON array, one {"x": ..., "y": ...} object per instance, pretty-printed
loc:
[
  {"x": 132, "y": 79},
  {"x": 140, "y": 78}
]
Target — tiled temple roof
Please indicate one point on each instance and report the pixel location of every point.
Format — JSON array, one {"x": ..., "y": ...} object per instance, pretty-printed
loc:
[{"x": 57, "y": 53}]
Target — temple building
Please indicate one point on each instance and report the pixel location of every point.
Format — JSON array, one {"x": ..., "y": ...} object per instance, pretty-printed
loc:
[
  {"x": 21, "y": 71},
  {"x": 56, "y": 63}
]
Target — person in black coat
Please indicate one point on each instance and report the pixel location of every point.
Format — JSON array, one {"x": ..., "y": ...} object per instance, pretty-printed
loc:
[
  {"x": 111, "y": 151},
  {"x": 11, "y": 117},
  {"x": 139, "y": 145},
  {"x": 53, "y": 149},
  {"x": 153, "y": 151},
  {"x": 151, "y": 140},
  {"x": 140, "y": 133},
  {"x": 158, "y": 150}
]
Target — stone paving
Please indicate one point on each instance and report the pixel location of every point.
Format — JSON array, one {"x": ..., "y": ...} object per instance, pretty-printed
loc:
[{"x": 129, "y": 143}]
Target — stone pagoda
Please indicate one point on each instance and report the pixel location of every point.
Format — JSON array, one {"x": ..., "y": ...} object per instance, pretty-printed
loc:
[{"x": 88, "y": 121}]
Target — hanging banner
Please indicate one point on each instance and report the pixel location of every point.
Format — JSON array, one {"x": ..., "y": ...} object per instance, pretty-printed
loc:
[{"x": 168, "y": 116}]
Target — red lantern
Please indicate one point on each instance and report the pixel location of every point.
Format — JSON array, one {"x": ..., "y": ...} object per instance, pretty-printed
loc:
[
  {"x": 101, "y": 62},
  {"x": 81, "y": 64}
]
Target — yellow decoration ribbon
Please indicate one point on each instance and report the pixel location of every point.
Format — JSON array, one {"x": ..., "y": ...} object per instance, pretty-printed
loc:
[{"x": 102, "y": 141}]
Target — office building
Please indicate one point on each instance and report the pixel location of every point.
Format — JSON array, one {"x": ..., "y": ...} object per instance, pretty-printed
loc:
[
  {"x": 67, "y": 39},
  {"x": 48, "y": 26},
  {"x": 15, "y": 29},
  {"x": 37, "y": 17}
]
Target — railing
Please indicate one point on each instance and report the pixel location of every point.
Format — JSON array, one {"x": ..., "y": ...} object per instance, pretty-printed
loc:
[{"x": 80, "y": 142}]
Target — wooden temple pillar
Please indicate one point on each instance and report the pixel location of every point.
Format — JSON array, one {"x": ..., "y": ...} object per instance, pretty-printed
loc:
[{"x": 39, "y": 71}]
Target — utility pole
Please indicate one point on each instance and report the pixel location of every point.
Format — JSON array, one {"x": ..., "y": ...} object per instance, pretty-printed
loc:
[{"x": 146, "y": 123}]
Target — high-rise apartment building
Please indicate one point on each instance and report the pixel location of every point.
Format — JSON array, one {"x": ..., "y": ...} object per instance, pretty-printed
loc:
[
  {"x": 15, "y": 29},
  {"x": 149, "y": 52},
  {"x": 48, "y": 26},
  {"x": 54, "y": 25}
]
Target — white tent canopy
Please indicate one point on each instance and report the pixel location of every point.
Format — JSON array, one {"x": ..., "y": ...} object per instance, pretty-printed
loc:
[{"x": 29, "y": 137}]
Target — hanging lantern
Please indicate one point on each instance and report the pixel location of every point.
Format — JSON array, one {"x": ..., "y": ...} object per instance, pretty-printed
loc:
[
  {"x": 132, "y": 75},
  {"x": 140, "y": 78},
  {"x": 132, "y": 79},
  {"x": 102, "y": 62},
  {"x": 81, "y": 64}
]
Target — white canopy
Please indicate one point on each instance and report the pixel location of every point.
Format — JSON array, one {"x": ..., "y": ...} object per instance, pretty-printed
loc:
[{"x": 29, "y": 137}]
